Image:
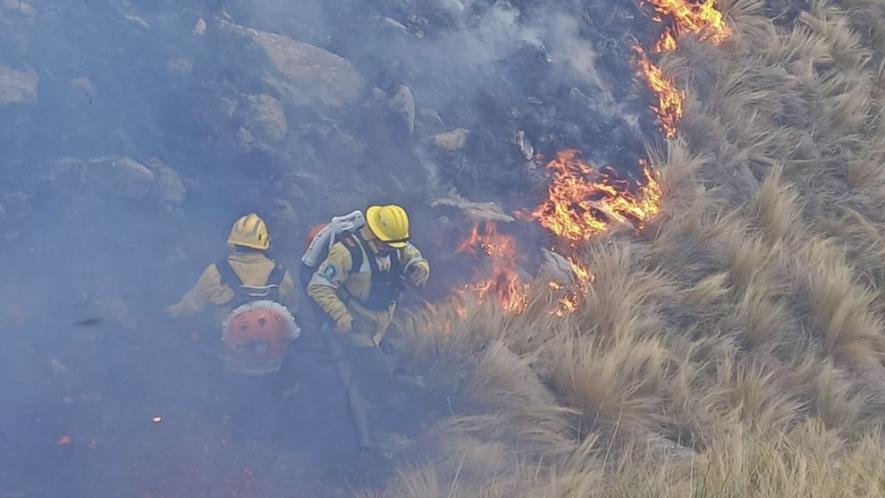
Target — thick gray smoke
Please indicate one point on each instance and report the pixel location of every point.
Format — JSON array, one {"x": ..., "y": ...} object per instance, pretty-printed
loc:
[{"x": 135, "y": 132}]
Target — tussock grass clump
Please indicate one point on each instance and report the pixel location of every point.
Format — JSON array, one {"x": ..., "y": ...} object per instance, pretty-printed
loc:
[{"x": 735, "y": 347}]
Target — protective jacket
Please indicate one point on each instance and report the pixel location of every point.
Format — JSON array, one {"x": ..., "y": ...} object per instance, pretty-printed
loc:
[
  {"x": 354, "y": 280},
  {"x": 253, "y": 269}
]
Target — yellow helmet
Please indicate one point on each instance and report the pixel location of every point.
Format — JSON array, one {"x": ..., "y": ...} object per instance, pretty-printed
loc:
[
  {"x": 390, "y": 224},
  {"x": 250, "y": 231}
]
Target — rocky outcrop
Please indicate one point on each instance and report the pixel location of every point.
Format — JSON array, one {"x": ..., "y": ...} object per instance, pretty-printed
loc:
[
  {"x": 452, "y": 140},
  {"x": 403, "y": 103},
  {"x": 121, "y": 177},
  {"x": 303, "y": 74}
]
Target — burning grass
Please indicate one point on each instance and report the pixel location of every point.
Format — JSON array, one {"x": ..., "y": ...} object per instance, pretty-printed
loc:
[{"x": 737, "y": 346}]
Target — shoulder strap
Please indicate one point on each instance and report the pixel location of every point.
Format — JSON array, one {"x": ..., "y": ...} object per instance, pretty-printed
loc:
[
  {"x": 354, "y": 246},
  {"x": 228, "y": 276},
  {"x": 396, "y": 264},
  {"x": 277, "y": 274}
]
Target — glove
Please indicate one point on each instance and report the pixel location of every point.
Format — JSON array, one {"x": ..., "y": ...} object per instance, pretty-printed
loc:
[
  {"x": 418, "y": 273},
  {"x": 344, "y": 324}
]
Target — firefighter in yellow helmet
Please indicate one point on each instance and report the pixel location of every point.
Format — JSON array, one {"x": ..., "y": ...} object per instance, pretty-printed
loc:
[
  {"x": 252, "y": 295},
  {"x": 246, "y": 263},
  {"x": 359, "y": 283}
]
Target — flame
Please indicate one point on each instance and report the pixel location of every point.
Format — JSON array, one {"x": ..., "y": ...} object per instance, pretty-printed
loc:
[
  {"x": 667, "y": 42},
  {"x": 670, "y": 98},
  {"x": 583, "y": 201},
  {"x": 572, "y": 296},
  {"x": 499, "y": 277},
  {"x": 689, "y": 17}
]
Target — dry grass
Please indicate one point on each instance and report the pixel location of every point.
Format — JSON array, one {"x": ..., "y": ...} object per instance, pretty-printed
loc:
[{"x": 734, "y": 348}]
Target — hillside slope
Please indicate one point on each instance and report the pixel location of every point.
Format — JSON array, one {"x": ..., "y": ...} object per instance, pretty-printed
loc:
[{"x": 735, "y": 346}]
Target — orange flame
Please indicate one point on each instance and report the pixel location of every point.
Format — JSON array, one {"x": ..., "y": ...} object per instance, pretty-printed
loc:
[
  {"x": 690, "y": 17},
  {"x": 499, "y": 276},
  {"x": 583, "y": 201},
  {"x": 670, "y": 98},
  {"x": 667, "y": 42},
  {"x": 571, "y": 297}
]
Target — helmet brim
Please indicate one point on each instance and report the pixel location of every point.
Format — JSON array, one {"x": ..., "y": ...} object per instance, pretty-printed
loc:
[{"x": 250, "y": 246}]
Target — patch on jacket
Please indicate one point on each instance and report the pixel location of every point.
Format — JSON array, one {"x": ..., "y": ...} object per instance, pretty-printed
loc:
[{"x": 330, "y": 272}]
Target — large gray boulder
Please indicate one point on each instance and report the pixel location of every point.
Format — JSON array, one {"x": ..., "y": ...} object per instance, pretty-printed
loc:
[
  {"x": 121, "y": 176},
  {"x": 167, "y": 186},
  {"x": 303, "y": 74}
]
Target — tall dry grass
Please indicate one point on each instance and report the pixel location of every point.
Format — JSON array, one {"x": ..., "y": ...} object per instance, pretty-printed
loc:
[{"x": 736, "y": 347}]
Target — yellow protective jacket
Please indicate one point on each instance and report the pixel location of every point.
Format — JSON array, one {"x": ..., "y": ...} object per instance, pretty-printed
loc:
[
  {"x": 253, "y": 268},
  {"x": 339, "y": 289}
]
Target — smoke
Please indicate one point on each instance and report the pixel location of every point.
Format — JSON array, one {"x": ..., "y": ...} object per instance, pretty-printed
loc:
[{"x": 135, "y": 133}]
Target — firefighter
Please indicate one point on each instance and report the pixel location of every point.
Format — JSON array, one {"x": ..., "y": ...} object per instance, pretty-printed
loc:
[
  {"x": 359, "y": 282},
  {"x": 252, "y": 295}
]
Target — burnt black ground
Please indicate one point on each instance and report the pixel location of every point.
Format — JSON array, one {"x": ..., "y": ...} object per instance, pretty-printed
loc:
[{"x": 69, "y": 254}]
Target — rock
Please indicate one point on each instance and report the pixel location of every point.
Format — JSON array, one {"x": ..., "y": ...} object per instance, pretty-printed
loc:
[
  {"x": 246, "y": 139},
  {"x": 389, "y": 24},
  {"x": 264, "y": 119},
  {"x": 19, "y": 6},
  {"x": 304, "y": 74},
  {"x": 476, "y": 211},
  {"x": 17, "y": 86},
  {"x": 137, "y": 20},
  {"x": 520, "y": 140},
  {"x": 167, "y": 185},
  {"x": 452, "y": 140},
  {"x": 556, "y": 268},
  {"x": 120, "y": 176},
  {"x": 200, "y": 27},
  {"x": 667, "y": 450},
  {"x": 403, "y": 102}
]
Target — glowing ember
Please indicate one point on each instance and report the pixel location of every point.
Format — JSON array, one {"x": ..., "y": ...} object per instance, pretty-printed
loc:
[
  {"x": 583, "y": 201},
  {"x": 499, "y": 276},
  {"x": 689, "y": 17}
]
